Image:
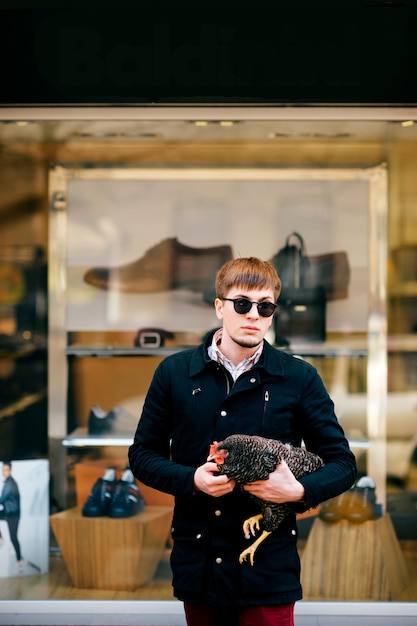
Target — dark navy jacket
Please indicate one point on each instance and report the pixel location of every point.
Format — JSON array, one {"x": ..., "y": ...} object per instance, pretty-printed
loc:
[
  {"x": 10, "y": 498},
  {"x": 192, "y": 401}
]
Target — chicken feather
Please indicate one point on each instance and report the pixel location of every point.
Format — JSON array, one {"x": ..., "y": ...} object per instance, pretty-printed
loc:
[{"x": 247, "y": 458}]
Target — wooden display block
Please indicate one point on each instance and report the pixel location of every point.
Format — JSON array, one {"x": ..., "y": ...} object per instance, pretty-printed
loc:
[
  {"x": 357, "y": 562},
  {"x": 107, "y": 553}
]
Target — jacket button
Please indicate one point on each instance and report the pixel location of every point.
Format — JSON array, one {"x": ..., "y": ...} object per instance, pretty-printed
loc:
[
  {"x": 252, "y": 380},
  {"x": 219, "y": 561},
  {"x": 198, "y": 536},
  {"x": 217, "y": 513},
  {"x": 293, "y": 532},
  {"x": 223, "y": 413}
]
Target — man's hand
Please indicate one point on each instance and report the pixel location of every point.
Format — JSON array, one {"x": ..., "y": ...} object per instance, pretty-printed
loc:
[
  {"x": 206, "y": 481},
  {"x": 281, "y": 486}
]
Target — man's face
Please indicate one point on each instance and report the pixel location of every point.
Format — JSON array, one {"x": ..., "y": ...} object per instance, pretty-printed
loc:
[
  {"x": 6, "y": 471},
  {"x": 247, "y": 329}
]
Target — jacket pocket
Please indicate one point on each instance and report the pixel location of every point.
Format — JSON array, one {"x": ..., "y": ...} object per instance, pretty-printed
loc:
[
  {"x": 188, "y": 558},
  {"x": 276, "y": 569}
]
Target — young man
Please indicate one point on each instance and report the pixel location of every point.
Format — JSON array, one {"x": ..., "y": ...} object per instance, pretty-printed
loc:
[{"x": 237, "y": 383}]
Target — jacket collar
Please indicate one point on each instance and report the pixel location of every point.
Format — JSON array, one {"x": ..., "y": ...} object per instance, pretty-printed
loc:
[{"x": 272, "y": 359}]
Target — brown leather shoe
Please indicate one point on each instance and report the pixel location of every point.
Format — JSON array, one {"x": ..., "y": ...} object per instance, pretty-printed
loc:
[
  {"x": 362, "y": 505},
  {"x": 167, "y": 265},
  {"x": 337, "y": 508}
]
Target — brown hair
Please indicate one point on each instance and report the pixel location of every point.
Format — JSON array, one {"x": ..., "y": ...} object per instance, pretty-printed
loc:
[{"x": 250, "y": 273}]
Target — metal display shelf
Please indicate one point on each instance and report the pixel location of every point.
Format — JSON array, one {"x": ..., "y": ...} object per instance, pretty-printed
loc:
[
  {"x": 305, "y": 349},
  {"x": 334, "y": 347},
  {"x": 80, "y": 438},
  {"x": 109, "y": 351}
]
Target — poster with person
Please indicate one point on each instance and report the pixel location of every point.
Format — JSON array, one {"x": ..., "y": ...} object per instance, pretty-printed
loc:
[{"x": 24, "y": 517}]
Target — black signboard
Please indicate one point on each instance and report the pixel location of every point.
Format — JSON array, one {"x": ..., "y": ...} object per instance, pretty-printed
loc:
[{"x": 295, "y": 52}]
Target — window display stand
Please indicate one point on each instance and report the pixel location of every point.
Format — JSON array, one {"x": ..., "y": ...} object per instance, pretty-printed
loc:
[
  {"x": 107, "y": 553},
  {"x": 354, "y": 561}
]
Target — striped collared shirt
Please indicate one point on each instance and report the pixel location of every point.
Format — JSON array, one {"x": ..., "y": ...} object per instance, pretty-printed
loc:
[{"x": 215, "y": 354}]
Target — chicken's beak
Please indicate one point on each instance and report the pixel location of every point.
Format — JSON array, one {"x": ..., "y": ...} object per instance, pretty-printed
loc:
[{"x": 216, "y": 455}]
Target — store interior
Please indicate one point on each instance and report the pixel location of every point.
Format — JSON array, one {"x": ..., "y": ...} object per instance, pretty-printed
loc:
[{"x": 53, "y": 372}]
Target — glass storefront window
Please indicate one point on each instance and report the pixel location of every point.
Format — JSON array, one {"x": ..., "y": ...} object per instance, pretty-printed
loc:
[{"x": 347, "y": 186}]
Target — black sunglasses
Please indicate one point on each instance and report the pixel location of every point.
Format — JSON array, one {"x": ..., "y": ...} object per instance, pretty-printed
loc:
[{"x": 244, "y": 305}]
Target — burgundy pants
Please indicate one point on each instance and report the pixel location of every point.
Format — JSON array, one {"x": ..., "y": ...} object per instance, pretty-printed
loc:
[{"x": 277, "y": 615}]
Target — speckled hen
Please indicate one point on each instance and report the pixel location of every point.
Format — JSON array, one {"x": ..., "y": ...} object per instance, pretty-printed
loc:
[{"x": 247, "y": 458}]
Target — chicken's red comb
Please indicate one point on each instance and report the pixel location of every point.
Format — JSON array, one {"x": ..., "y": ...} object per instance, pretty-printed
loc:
[{"x": 213, "y": 448}]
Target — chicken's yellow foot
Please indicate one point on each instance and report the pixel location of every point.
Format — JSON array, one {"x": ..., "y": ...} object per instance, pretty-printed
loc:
[
  {"x": 251, "y": 524},
  {"x": 250, "y": 552}
]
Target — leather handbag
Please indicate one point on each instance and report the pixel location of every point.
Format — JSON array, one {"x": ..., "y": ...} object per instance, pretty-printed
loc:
[
  {"x": 296, "y": 269},
  {"x": 301, "y": 316},
  {"x": 291, "y": 262}
]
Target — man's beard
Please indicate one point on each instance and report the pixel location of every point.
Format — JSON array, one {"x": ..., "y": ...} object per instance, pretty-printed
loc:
[{"x": 247, "y": 342}]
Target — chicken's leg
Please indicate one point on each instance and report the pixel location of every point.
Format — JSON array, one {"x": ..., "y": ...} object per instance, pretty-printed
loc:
[
  {"x": 253, "y": 547},
  {"x": 251, "y": 524}
]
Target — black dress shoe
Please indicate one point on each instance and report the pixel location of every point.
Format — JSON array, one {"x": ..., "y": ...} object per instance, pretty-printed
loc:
[
  {"x": 116, "y": 421},
  {"x": 99, "y": 421}
]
